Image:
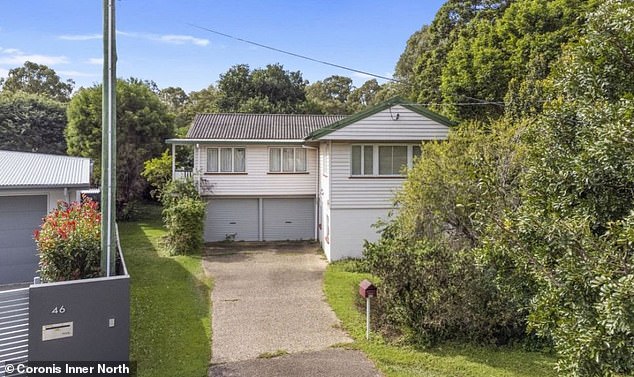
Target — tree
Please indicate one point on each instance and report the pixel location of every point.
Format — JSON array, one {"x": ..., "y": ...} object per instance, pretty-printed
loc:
[
  {"x": 574, "y": 232},
  {"x": 435, "y": 284},
  {"x": 32, "y": 123},
  {"x": 143, "y": 124},
  {"x": 174, "y": 98},
  {"x": 158, "y": 172},
  {"x": 37, "y": 79},
  {"x": 365, "y": 95},
  {"x": 331, "y": 94},
  {"x": 268, "y": 90}
]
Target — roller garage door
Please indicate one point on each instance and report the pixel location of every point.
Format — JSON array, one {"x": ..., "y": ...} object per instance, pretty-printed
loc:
[
  {"x": 19, "y": 217},
  {"x": 229, "y": 217},
  {"x": 288, "y": 219}
]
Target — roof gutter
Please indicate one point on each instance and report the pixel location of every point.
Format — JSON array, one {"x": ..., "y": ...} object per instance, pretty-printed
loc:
[
  {"x": 234, "y": 141},
  {"x": 37, "y": 187}
]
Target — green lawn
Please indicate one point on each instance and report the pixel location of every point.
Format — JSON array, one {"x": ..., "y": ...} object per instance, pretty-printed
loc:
[
  {"x": 341, "y": 287},
  {"x": 170, "y": 320}
]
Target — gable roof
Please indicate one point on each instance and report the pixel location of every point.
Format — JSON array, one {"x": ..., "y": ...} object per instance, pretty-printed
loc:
[
  {"x": 34, "y": 170},
  {"x": 239, "y": 126},
  {"x": 317, "y": 134}
]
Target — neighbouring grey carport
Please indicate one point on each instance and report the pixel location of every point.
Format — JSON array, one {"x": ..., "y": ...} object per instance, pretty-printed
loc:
[
  {"x": 20, "y": 215},
  {"x": 260, "y": 219}
]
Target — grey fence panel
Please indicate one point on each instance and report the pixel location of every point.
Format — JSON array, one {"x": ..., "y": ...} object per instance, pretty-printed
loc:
[{"x": 14, "y": 327}]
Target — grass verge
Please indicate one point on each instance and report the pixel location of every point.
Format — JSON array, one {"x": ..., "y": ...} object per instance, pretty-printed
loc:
[
  {"x": 170, "y": 327},
  {"x": 341, "y": 287}
]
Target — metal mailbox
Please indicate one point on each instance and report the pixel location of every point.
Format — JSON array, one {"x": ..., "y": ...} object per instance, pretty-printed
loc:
[{"x": 367, "y": 289}]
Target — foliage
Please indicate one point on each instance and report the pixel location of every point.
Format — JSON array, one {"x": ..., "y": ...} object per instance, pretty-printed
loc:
[
  {"x": 435, "y": 286},
  {"x": 69, "y": 242},
  {"x": 158, "y": 172},
  {"x": 32, "y": 123},
  {"x": 165, "y": 343},
  {"x": 262, "y": 90},
  {"x": 487, "y": 58},
  {"x": 184, "y": 217},
  {"x": 143, "y": 124},
  {"x": 341, "y": 282},
  {"x": 37, "y": 79},
  {"x": 575, "y": 229}
]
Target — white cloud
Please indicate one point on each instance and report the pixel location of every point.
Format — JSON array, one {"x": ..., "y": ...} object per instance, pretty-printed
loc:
[
  {"x": 95, "y": 61},
  {"x": 13, "y": 56},
  {"x": 177, "y": 39},
  {"x": 4, "y": 72},
  {"x": 77, "y": 74},
  {"x": 80, "y": 37},
  {"x": 182, "y": 39},
  {"x": 19, "y": 59}
]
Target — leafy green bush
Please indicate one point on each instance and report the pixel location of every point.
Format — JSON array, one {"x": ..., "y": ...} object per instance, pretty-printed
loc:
[
  {"x": 436, "y": 284},
  {"x": 158, "y": 172},
  {"x": 69, "y": 242},
  {"x": 574, "y": 231},
  {"x": 184, "y": 216}
]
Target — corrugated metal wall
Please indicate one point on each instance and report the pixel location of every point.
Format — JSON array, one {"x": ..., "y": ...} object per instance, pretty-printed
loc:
[{"x": 14, "y": 326}]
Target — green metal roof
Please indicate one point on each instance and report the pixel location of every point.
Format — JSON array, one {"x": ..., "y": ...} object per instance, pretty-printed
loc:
[{"x": 315, "y": 135}]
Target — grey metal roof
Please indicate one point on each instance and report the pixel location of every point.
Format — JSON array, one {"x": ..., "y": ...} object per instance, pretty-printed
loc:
[
  {"x": 32, "y": 170},
  {"x": 239, "y": 126}
]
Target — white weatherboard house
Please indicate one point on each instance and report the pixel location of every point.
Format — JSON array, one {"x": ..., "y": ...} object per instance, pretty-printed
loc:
[
  {"x": 273, "y": 177},
  {"x": 30, "y": 186}
]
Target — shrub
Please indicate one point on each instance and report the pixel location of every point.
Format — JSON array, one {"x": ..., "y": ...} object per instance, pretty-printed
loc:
[
  {"x": 69, "y": 242},
  {"x": 184, "y": 216},
  {"x": 158, "y": 172},
  {"x": 434, "y": 293},
  {"x": 438, "y": 281}
]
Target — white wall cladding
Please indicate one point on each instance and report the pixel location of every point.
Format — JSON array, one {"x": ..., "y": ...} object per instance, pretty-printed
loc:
[
  {"x": 384, "y": 126},
  {"x": 257, "y": 181},
  {"x": 288, "y": 219},
  {"x": 227, "y": 217},
  {"x": 347, "y": 192},
  {"x": 349, "y": 228}
]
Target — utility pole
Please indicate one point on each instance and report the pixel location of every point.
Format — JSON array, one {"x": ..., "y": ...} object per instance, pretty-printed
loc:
[{"x": 109, "y": 142}]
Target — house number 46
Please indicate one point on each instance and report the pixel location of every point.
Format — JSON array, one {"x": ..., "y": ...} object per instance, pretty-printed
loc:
[{"x": 58, "y": 310}]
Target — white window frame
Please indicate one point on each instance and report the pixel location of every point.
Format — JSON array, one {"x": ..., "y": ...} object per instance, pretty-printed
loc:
[
  {"x": 375, "y": 157},
  {"x": 294, "y": 169},
  {"x": 218, "y": 168}
]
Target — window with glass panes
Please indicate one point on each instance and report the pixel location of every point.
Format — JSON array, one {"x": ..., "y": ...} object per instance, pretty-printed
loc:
[
  {"x": 379, "y": 160},
  {"x": 226, "y": 160},
  {"x": 287, "y": 160}
]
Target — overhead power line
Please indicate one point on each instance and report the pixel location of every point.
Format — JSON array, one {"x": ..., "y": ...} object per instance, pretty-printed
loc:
[{"x": 295, "y": 54}]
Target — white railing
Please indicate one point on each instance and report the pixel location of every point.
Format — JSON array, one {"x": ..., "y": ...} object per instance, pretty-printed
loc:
[{"x": 183, "y": 174}]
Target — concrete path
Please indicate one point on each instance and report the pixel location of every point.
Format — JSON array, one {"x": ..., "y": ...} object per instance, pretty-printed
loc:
[{"x": 268, "y": 299}]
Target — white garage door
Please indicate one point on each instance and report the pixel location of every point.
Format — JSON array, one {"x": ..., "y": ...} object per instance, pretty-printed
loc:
[
  {"x": 288, "y": 219},
  {"x": 232, "y": 218},
  {"x": 19, "y": 217}
]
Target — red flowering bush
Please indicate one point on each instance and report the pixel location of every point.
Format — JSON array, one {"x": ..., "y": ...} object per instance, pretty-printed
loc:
[{"x": 69, "y": 242}]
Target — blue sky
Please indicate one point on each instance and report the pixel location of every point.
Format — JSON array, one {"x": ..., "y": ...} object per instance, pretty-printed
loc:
[{"x": 156, "y": 41}]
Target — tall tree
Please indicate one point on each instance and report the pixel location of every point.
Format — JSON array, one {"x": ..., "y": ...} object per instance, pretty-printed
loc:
[
  {"x": 263, "y": 90},
  {"x": 37, "y": 79},
  {"x": 143, "y": 124},
  {"x": 331, "y": 94},
  {"x": 575, "y": 229},
  {"x": 32, "y": 123}
]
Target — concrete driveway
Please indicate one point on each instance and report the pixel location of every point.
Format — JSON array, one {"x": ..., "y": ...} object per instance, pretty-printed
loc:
[{"x": 268, "y": 300}]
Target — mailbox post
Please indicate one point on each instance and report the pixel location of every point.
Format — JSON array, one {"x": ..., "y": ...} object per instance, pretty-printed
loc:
[{"x": 367, "y": 290}]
